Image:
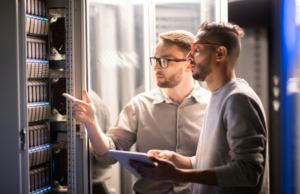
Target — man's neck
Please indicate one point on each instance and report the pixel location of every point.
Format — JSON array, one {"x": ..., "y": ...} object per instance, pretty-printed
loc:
[
  {"x": 219, "y": 79},
  {"x": 180, "y": 92}
]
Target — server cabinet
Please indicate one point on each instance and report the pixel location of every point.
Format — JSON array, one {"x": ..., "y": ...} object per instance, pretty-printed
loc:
[
  {"x": 14, "y": 165},
  {"x": 44, "y": 150}
]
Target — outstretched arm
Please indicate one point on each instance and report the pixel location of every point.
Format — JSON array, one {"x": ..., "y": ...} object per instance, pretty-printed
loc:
[{"x": 84, "y": 112}]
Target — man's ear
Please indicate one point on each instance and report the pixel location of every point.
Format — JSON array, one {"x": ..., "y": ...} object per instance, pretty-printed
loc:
[
  {"x": 221, "y": 53},
  {"x": 187, "y": 66}
]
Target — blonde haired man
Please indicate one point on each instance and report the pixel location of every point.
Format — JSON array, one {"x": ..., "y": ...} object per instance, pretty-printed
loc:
[{"x": 169, "y": 117}]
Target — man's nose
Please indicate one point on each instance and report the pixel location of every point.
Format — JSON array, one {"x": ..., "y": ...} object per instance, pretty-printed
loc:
[{"x": 157, "y": 66}]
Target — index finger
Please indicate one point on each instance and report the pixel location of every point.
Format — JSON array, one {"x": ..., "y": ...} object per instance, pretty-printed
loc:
[{"x": 73, "y": 99}]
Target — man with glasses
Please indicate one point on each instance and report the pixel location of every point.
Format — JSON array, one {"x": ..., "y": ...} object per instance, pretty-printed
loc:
[
  {"x": 169, "y": 117},
  {"x": 232, "y": 154}
]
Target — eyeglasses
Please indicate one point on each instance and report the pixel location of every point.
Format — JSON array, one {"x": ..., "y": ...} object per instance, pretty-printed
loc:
[
  {"x": 163, "y": 62},
  {"x": 193, "y": 46}
]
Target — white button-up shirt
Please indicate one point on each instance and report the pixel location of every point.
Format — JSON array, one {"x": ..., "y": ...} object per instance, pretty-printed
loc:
[{"x": 153, "y": 121}]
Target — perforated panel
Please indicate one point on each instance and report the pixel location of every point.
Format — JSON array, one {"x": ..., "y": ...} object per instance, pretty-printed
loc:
[{"x": 57, "y": 100}]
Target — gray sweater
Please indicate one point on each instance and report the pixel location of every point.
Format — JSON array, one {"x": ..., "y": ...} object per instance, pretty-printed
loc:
[{"x": 234, "y": 142}]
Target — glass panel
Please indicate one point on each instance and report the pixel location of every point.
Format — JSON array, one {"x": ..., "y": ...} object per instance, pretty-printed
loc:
[
  {"x": 185, "y": 15},
  {"x": 177, "y": 15},
  {"x": 116, "y": 62}
]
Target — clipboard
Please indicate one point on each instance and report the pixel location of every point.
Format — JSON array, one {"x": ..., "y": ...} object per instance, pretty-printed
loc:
[{"x": 124, "y": 156}]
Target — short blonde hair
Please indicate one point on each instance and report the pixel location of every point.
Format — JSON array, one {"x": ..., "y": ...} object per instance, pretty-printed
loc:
[{"x": 183, "y": 39}]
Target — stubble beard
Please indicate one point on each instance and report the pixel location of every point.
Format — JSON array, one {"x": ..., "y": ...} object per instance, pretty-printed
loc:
[
  {"x": 171, "y": 82},
  {"x": 203, "y": 69}
]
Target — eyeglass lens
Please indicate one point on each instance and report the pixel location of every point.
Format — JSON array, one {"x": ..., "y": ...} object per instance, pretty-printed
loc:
[{"x": 162, "y": 62}]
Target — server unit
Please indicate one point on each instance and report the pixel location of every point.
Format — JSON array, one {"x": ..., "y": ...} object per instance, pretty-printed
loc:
[{"x": 37, "y": 27}]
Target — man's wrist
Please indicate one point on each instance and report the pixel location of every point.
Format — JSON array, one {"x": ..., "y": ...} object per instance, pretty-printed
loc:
[
  {"x": 180, "y": 175},
  {"x": 92, "y": 123},
  {"x": 172, "y": 156}
]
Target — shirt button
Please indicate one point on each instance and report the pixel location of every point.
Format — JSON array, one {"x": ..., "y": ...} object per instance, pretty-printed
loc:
[{"x": 178, "y": 146}]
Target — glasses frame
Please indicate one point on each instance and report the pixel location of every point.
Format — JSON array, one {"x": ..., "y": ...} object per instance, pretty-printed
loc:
[
  {"x": 159, "y": 60},
  {"x": 193, "y": 46}
]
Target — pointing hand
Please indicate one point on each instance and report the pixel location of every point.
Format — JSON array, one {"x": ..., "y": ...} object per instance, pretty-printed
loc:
[{"x": 83, "y": 111}]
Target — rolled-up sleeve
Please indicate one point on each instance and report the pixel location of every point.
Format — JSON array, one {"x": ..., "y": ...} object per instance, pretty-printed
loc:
[
  {"x": 246, "y": 136},
  {"x": 193, "y": 162},
  {"x": 123, "y": 135}
]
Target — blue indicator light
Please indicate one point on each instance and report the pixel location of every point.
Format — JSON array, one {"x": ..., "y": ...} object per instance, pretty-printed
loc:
[
  {"x": 49, "y": 188},
  {"x": 48, "y": 146}
]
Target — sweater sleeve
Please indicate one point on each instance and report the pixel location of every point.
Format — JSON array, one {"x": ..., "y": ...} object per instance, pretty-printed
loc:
[{"x": 246, "y": 136}]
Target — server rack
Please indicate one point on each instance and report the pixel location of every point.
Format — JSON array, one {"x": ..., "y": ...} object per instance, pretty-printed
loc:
[{"x": 42, "y": 142}]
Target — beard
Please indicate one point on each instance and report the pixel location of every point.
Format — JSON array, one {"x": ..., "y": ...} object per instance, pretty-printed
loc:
[
  {"x": 203, "y": 69},
  {"x": 171, "y": 82}
]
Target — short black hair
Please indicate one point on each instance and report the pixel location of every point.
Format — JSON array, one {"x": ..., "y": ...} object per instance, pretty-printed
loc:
[{"x": 227, "y": 35}]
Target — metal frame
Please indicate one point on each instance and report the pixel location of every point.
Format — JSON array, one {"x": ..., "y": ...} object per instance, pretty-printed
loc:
[
  {"x": 76, "y": 82},
  {"x": 13, "y": 118},
  {"x": 71, "y": 131},
  {"x": 151, "y": 37}
]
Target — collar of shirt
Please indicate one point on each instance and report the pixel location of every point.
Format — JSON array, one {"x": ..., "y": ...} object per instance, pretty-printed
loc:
[{"x": 160, "y": 96}]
